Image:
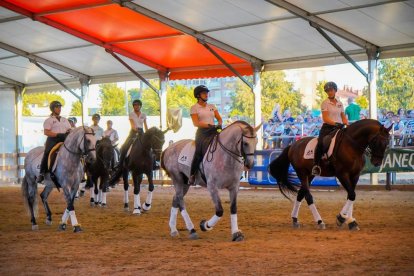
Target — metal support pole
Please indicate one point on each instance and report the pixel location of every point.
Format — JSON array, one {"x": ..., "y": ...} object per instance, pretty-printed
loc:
[
  {"x": 257, "y": 92},
  {"x": 84, "y": 94},
  {"x": 19, "y": 91},
  {"x": 163, "y": 98}
]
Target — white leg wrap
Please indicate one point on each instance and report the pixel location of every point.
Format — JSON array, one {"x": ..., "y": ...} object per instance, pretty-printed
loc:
[
  {"x": 315, "y": 212},
  {"x": 188, "y": 223},
  {"x": 82, "y": 186},
  {"x": 173, "y": 219},
  {"x": 295, "y": 210},
  {"x": 213, "y": 221},
  {"x": 149, "y": 198},
  {"x": 73, "y": 219},
  {"x": 234, "y": 224},
  {"x": 92, "y": 193},
  {"x": 346, "y": 208},
  {"x": 104, "y": 198},
  {"x": 65, "y": 216},
  {"x": 126, "y": 199},
  {"x": 137, "y": 201},
  {"x": 100, "y": 196}
]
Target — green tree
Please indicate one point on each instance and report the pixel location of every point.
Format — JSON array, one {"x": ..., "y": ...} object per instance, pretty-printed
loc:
[
  {"x": 362, "y": 101},
  {"x": 112, "y": 99},
  {"x": 180, "y": 96},
  {"x": 396, "y": 83},
  {"x": 275, "y": 89},
  {"x": 41, "y": 99},
  {"x": 76, "y": 109},
  {"x": 320, "y": 95}
]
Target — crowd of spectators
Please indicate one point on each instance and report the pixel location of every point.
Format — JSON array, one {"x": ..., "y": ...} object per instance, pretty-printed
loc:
[{"x": 282, "y": 129}]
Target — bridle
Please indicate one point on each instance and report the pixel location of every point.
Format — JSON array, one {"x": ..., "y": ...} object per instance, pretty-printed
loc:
[
  {"x": 81, "y": 152},
  {"x": 235, "y": 155},
  {"x": 371, "y": 144}
]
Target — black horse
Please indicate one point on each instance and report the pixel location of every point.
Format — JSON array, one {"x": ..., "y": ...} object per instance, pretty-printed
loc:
[
  {"x": 346, "y": 163},
  {"x": 100, "y": 171},
  {"x": 145, "y": 150}
]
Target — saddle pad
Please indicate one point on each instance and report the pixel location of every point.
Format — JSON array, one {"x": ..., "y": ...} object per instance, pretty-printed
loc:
[
  {"x": 310, "y": 148},
  {"x": 51, "y": 161},
  {"x": 187, "y": 154}
]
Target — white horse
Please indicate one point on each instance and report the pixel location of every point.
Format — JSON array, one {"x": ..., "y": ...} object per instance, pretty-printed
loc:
[
  {"x": 229, "y": 153},
  {"x": 67, "y": 172}
]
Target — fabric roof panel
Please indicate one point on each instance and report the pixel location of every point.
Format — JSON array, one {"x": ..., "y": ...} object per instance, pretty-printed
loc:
[
  {"x": 183, "y": 51},
  {"x": 112, "y": 23},
  {"x": 52, "y": 5}
]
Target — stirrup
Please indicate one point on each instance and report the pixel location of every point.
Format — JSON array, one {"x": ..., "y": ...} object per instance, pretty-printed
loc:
[{"x": 316, "y": 170}]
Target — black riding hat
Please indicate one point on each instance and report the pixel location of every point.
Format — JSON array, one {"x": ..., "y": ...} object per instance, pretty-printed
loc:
[
  {"x": 329, "y": 85},
  {"x": 73, "y": 120},
  {"x": 137, "y": 102},
  {"x": 97, "y": 116},
  {"x": 54, "y": 104},
  {"x": 199, "y": 89}
]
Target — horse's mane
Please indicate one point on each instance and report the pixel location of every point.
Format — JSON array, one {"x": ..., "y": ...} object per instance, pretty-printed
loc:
[
  {"x": 247, "y": 125},
  {"x": 363, "y": 123}
]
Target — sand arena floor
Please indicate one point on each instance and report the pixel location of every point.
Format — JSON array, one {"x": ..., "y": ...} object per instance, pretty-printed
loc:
[{"x": 115, "y": 242}]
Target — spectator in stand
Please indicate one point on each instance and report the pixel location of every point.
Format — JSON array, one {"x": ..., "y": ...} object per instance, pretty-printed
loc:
[
  {"x": 363, "y": 114},
  {"x": 382, "y": 115},
  {"x": 275, "y": 134},
  {"x": 352, "y": 111},
  {"x": 401, "y": 114},
  {"x": 289, "y": 130},
  {"x": 287, "y": 117},
  {"x": 267, "y": 128},
  {"x": 409, "y": 129},
  {"x": 276, "y": 116}
]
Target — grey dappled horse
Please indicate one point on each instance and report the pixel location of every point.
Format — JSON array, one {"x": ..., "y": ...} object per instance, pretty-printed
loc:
[
  {"x": 79, "y": 144},
  {"x": 229, "y": 153}
]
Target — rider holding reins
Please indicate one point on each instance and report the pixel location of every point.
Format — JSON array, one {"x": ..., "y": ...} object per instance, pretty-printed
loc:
[
  {"x": 203, "y": 115},
  {"x": 333, "y": 117},
  {"x": 56, "y": 129}
]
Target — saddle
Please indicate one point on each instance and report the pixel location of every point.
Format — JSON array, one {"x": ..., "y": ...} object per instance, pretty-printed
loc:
[
  {"x": 51, "y": 162},
  {"x": 328, "y": 146}
]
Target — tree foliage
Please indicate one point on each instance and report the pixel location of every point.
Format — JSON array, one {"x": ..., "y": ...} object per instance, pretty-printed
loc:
[
  {"x": 320, "y": 95},
  {"x": 180, "y": 96},
  {"x": 112, "y": 99},
  {"x": 41, "y": 99},
  {"x": 275, "y": 89},
  {"x": 396, "y": 83},
  {"x": 76, "y": 109}
]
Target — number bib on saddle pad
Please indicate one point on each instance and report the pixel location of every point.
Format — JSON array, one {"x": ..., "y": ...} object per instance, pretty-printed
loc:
[
  {"x": 187, "y": 154},
  {"x": 310, "y": 148}
]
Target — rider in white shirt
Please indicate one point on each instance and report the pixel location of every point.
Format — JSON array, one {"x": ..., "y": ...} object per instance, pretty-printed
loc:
[
  {"x": 111, "y": 133},
  {"x": 95, "y": 126}
]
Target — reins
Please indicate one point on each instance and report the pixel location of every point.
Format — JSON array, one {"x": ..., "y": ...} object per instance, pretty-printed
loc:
[{"x": 86, "y": 151}]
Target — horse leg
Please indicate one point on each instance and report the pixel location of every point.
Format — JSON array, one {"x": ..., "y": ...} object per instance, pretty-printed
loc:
[
  {"x": 137, "y": 179},
  {"x": 126, "y": 186},
  {"x": 30, "y": 194},
  {"x": 96, "y": 190},
  {"x": 316, "y": 216},
  {"x": 296, "y": 207},
  {"x": 208, "y": 225},
  {"x": 44, "y": 195},
  {"x": 64, "y": 221},
  {"x": 146, "y": 206},
  {"x": 104, "y": 188},
  {"x": 345, "y": 216},
  {"x": 236, "y": 234}
]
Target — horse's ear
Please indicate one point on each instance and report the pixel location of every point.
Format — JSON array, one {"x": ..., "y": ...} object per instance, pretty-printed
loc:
[
  {"x": 258, "y": 127},
  {"x": 389, "y": 128}
]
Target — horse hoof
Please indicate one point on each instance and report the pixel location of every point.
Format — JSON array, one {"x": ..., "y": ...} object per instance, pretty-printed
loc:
[
  {"x": 193, "y": 236},
  {"x": 295, "y": 225},
  {"x": 48, "y": 222},
  {"x": 174, "y": 234},
  {"x": 204, "y": 227},
  {"x": 77, "y": 229},
  {"x": 238, "y": 236},
  {"x": 126, "y": 207},
  {"x": 137, "y": 211},
  {"x": 62, "y": 227},
  {"x": 340, "y": 220},
  {"x": 81, "y": 193},
  {"x": 103, "y": 205},
  {"x": 146, "y": 206},
  {"x": 353, "y": 226},
  {"x": 35, "y": 227},
  {"x": 321, "y": 226}
]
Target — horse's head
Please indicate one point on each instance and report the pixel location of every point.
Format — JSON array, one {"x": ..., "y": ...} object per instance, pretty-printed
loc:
[
  {"x": 378, "y": 144},
  {"x": 87, "y": 144},
  {"x": 105, "y": 152},
  {"x": 156, "y": 139},
  {"x": 248, "y": 144}
]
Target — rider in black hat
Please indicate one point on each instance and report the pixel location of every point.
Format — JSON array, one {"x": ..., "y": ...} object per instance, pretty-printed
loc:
[
  {"x": 55, "y": 128},
  {"x": 203, "y": 115}
]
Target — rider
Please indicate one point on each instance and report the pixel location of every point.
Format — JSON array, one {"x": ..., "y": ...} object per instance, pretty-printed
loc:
[
  {"x": 95, "y": 126},
  {"x": 55, "y": 128},
  {"x": 111, "y": 133},
  {"x": 333, "y": 117},
  {"x": 203, "y": 115},
  {"x": 72, "y": 122}
]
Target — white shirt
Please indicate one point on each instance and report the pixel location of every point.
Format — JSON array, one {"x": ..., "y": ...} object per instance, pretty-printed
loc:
[
  {"x": 138, "y": 121},
  {"x": 334, "y": 110},
  {"x": 55, "y": 125},
  {"x": 112, "y": 134},
  {"x": 98, "y": 131},
  {"x": 205, "y": 113}
]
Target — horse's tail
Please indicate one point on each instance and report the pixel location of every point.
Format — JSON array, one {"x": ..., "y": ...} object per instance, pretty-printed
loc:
[
  {"x": 279, "y": 169},
  {"x": 29, "y": 193},
  {"x": 163, "y": 163}
]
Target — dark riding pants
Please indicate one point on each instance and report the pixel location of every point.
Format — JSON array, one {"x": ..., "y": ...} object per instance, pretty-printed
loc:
[
  {"x": 325, "y": 129},
  {"x": 129, "y": 141},
  {"x": 202, "y": 141},
  {"x": 50, "y": 143}
]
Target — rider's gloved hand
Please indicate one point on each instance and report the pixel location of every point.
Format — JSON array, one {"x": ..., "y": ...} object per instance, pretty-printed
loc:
[
  {"x": 219, "y": 127},
  {"x": 339, "y": 125},
  {"x": 61, "y": 136}
]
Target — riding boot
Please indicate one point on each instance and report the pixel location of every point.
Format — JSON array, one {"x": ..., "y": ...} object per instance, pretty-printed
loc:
[{"x": 316, "y": 170}]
